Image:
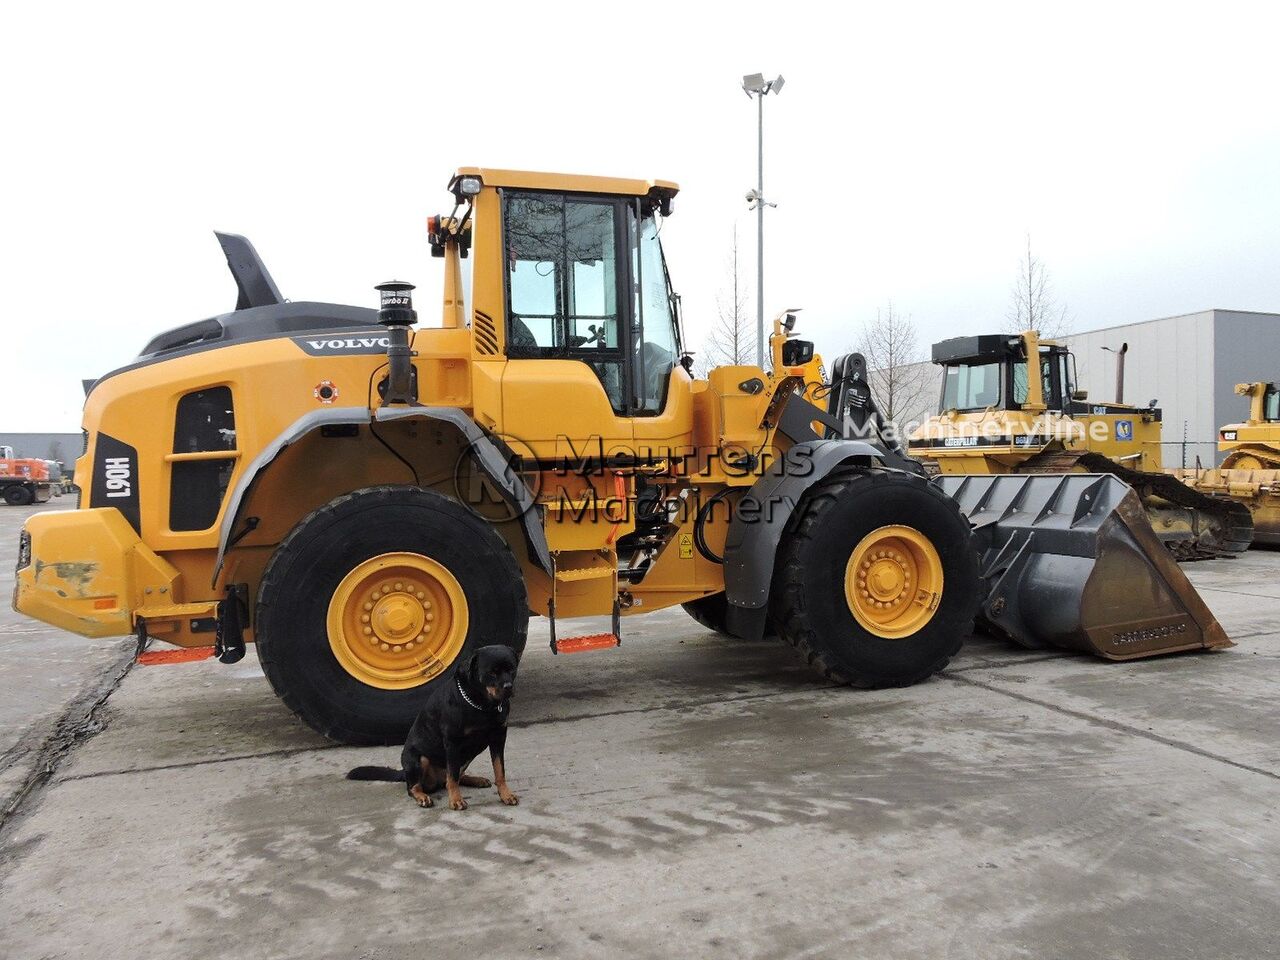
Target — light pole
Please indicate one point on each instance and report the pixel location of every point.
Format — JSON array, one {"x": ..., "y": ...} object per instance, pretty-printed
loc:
[{"x": 755, "y": 85}]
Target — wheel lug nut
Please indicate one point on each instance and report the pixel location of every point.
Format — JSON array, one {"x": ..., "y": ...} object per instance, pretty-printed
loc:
[
  {"x": 421, "y": 595},
  {"x": 367, "y": 631},
  {"x": 368, "y": 606},
  {"x": 377, "y": 594},
  {"x": 399, "y": 585},
  {"x": 364, "y": 618},
  {"x": 386, "y": 647},
  {"x": 396, "y": 648}
]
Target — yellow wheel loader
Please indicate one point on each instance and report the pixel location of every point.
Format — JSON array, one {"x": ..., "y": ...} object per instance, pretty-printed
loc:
[
  {"x": 367, "y": 500},
  {"x": 1008, "y": 406},
  {"x": 1250, "y": 471}
]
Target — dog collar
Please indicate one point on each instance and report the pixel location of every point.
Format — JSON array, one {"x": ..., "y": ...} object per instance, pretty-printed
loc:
[{"x": 472, "y": 704}]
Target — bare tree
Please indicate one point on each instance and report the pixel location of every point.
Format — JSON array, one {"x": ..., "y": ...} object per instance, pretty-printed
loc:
[
  {"x": 1032, "y": 304},
  {"x": 897, "y": 372},
  {"x": 732, "y": 340}
]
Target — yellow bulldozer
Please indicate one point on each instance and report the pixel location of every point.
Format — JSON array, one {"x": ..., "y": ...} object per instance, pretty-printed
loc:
[
  {"x": 367, "y": 501},
  {"x": 1250, "y": 471},
  {"x": 1009, "y": 406}
]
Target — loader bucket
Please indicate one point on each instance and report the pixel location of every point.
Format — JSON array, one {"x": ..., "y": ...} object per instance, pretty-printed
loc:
[{"x": 1071, "y": 561}]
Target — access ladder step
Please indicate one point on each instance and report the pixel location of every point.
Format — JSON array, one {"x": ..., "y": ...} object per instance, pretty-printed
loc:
[{"x": 592, "y": 641}]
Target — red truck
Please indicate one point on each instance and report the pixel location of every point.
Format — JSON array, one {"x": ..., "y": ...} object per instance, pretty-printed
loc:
[{"x": 23, "y": 480}]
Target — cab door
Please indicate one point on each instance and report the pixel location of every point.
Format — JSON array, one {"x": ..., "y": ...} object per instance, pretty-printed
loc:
[{"x": 566, "y": 386}]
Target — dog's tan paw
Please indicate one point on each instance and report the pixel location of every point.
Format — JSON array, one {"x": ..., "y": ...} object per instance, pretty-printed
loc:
[
  {"x": 458, "y": 804},
  {"x": 425, "y": 802},
  {"x": 509, "y": 798}
]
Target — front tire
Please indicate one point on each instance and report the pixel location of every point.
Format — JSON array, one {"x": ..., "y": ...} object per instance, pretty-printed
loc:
[
  {"x": 877, "y": 580},
  {"x": 712, "y": 612},
  {"x": 371, "y": 598}
]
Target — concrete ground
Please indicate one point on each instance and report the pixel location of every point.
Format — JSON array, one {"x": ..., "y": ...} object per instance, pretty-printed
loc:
[
  {"x": 690, "y": 796},
  {"x": 49, "y": 681}
]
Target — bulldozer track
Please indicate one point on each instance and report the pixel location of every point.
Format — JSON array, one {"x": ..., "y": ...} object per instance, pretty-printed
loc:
[
  {"x": 1221, "y": 527},
  {"x": 1268, "y": 459}
]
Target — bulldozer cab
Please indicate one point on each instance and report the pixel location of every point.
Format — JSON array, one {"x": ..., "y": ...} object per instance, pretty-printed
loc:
[
  {"x": 998, "y": 372},
  {"x": 1264, "y": 401}
]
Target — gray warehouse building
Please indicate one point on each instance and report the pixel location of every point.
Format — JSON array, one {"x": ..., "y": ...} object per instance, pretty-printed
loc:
[
  {"x": 1190, "y": 364},
  {"x": 65, "y": 447}
]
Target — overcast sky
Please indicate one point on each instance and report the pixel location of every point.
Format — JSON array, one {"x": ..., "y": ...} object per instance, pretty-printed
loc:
[{"x": 910, "y": 153}]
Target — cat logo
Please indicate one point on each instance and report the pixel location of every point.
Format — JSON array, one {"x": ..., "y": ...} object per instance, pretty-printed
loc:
[{"x": 1124, "y": 429}]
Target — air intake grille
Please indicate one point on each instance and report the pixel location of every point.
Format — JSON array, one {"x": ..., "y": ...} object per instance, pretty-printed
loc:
[{"x": 486, "y": 334}]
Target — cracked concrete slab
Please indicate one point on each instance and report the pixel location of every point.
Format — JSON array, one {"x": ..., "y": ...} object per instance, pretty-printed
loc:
[{"x": 49, "y": 679}]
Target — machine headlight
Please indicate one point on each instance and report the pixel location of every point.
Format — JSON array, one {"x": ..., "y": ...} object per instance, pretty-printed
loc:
[{"x": 469, "y": 186}]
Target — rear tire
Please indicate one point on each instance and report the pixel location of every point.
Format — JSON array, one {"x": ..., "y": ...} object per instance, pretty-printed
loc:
[
  {"x": 17, "y": 496},
  {"x": 292, "y": 625},
  {"x": 712, "y": 612},
  {"x": 809, "y": 601}
]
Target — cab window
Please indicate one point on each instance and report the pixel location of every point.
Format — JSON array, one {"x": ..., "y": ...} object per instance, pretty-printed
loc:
[
  {"x": 971, "y": 387},
  {"x": 563, "y": 283},
  {"x": 1052, "y": 378},
  {"x": 655, "y": 345},
  {"x": 204, "y": 445},
  {"x": 1271, "y": 405}
]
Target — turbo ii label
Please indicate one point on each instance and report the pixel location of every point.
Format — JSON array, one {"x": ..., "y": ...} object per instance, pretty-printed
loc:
[{"x": 343, "y": 344}]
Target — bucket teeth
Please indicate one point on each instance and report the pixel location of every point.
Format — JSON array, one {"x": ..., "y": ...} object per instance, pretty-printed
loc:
[{"x": 1071, "y": 561}]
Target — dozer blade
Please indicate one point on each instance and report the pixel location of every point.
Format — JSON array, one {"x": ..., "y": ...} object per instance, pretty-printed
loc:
[
  {"x": 1071, "y": 561},
  {"x": 1192, "y": 524},
  {"x": 1257, "y": 490}
]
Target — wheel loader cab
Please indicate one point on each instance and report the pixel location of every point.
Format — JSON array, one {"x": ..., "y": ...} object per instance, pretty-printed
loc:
[
  {"x": 585, "y": 280},
  {"x": 574, "y": 321}
]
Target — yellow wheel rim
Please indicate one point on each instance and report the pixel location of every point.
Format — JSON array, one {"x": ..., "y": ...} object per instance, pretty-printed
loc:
[
  {"x": 397, "y": 620},
  {"x": 893, "y": 581}
]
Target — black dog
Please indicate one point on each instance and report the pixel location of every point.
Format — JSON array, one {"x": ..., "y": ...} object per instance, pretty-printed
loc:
[{"x": 462, "y": 716}]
